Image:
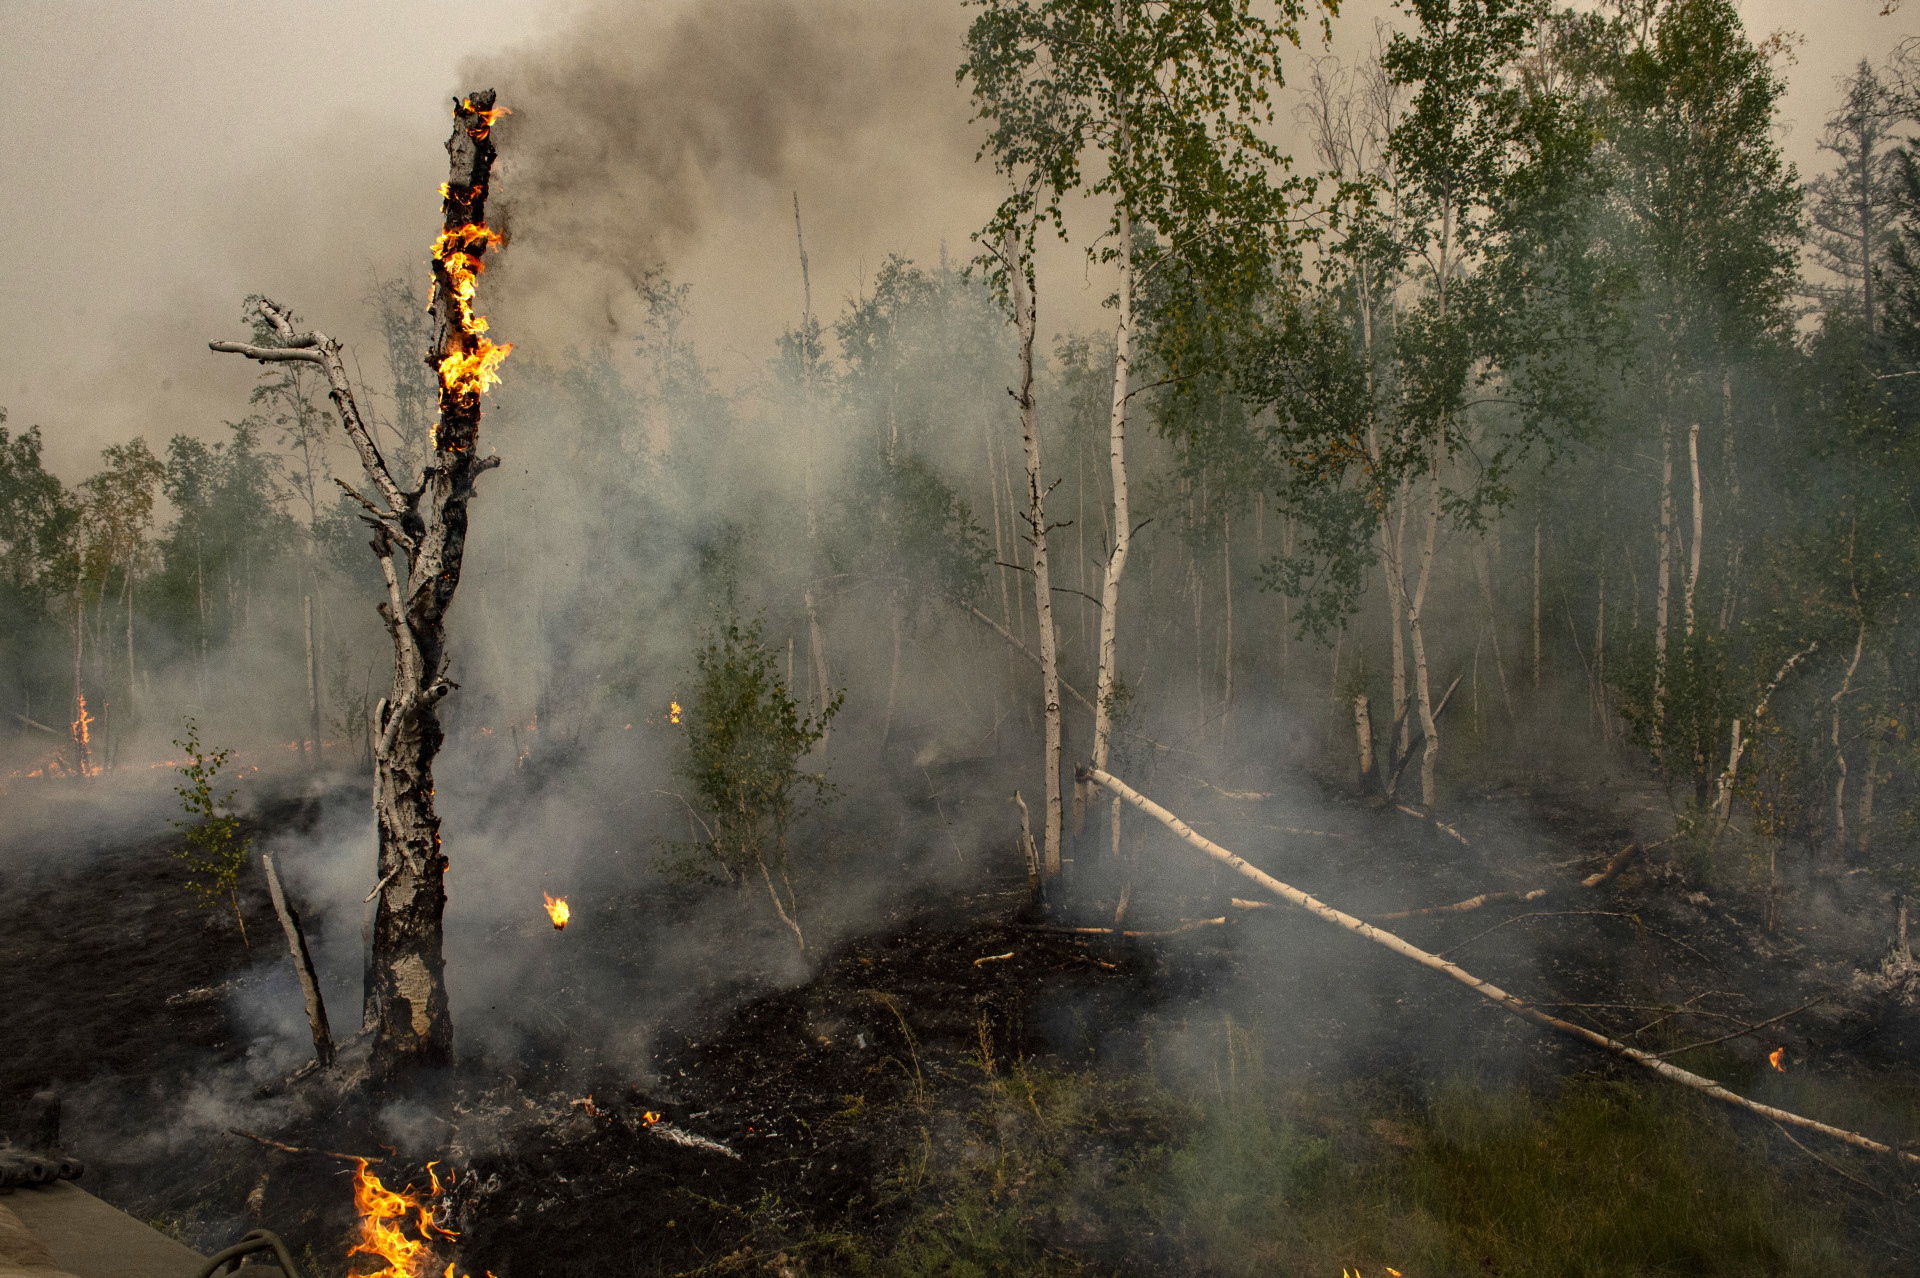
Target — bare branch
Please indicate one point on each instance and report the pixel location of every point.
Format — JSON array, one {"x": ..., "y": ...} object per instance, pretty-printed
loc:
[{"x": 267, "y": 354}]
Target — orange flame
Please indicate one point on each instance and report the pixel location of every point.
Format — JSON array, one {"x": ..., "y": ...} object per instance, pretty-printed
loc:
[
  {"x": 82, "y": 741},
  {"x": 1774, "y": 1057},
  {"x": 650, "y": 1117},
  {"x": 471, "y": 362},
  {"x": 673, "y": 712},
  {"x": 557, "y": 911},
  {"x": 384, "y": 1214},
  {"x": 488, "y": 118}
]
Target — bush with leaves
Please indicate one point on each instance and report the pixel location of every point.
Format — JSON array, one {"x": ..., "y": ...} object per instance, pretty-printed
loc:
[
  {"x": 215, "y": 853},
  {"x": 746, "y": 737}
]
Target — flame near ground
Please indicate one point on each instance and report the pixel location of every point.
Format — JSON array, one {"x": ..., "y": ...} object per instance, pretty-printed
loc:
[{"x": 385, "y": 1215}]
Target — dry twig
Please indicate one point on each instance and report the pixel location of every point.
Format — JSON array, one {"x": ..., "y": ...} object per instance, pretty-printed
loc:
[{"x": 301, "y": 1149}]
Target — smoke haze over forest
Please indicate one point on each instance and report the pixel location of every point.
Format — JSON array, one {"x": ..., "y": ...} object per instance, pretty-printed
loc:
[
  {"x": 290, "y": 151},
  {"x": 849, "y": 645}
]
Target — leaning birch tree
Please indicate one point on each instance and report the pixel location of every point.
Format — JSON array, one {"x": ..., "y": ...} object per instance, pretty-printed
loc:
[
  {"x": 419, "y": 537},
  {"x": 1168, "y": 98}
]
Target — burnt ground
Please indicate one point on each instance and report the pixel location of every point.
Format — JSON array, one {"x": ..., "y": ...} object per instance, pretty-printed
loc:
[{"x": 790, "y": 1128}]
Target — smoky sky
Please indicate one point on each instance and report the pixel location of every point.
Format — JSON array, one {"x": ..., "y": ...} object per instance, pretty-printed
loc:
[{"x": 164, "y": 161}]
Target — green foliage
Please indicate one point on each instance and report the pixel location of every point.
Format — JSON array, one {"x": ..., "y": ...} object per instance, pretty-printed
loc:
[
  {"x": 746, "y": 737},
  {"x": 215, "y": 853},
  {"x": 38, "y": 524},
  {"x": 1068, "y": 1174},
  {"x": 1173, "y": 98},
  {"x": 901, "y": 524}
]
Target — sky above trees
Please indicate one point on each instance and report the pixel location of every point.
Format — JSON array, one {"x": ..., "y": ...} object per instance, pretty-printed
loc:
[{"x": 183, "y": 134}]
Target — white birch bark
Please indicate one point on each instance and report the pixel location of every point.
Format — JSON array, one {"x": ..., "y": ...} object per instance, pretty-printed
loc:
[
  {"x": 1416, "y": 609},
  {"x": 1021, "y": 285},
  {"x": 1117, "y": 461}
]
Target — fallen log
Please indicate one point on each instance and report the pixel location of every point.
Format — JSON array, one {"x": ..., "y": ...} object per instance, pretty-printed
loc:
[
  {"x": 1485, "y": 989},
  {"x": 1613, "y": 867},
  {"x": 1185, "y": 925}
]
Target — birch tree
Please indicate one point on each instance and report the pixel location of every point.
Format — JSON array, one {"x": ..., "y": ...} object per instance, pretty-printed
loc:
[
  {"x": 419, "y": 538},
  {"x": 1709, "y": 218},
  {"x": 1166, "y": 99}
]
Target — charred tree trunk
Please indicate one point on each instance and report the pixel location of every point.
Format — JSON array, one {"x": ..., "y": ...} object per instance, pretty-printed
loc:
[{"x": 419, "y": 536}]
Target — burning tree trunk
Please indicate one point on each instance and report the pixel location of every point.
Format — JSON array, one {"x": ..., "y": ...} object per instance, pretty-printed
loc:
[{"x": 425, "y": 530}]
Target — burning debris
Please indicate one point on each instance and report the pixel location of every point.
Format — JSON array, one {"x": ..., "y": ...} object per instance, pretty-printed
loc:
[
  {"x": 557, "y": 911},
  {"x": 386, "y": 1215}
]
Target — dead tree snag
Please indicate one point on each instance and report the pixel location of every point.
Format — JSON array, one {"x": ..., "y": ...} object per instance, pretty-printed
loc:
[{"x": 419, "y": 536}]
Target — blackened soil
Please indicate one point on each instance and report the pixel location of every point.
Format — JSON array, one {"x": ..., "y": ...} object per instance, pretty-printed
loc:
[
  {"x": 110, "y": 970},
  {"x": 794, "y": 1113}
]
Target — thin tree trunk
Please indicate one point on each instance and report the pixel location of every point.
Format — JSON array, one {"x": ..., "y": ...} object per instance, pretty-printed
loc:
[
  {"x": 126, "y": 591},
  {"x": 1363, "y": 731},
  {"x": 1483, "y": 563},
  {"x": 1400, "y": 731},
  {"x": 1226, "y": 573},
  {"x": 999, "y": 546},
  {"x": 1117, "y": 460},
  {"x": 1699, "y": 520},
  {"x": 1416, "y": 608},
  {"x": 1727, "y": 587},
  {"x": 200, "y": 588},
  {"x": 1600, "y": 658},
  {"x": 1664, "y": 587},
  {"x": 816, "y": 644},
  {"x": 1020, "y": 278},
  {"x": 426, "y": 528},
  {"x": 1536, "y": 603},
  {"x": 313, "y": 683},
  {"x": 1840, "y": 755},
  {"x": 893, "y": 679},
  {"x": 1867, "y": 785}
]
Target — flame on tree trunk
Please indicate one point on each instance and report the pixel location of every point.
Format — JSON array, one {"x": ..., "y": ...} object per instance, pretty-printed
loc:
[{"x": 419, "y": 536}]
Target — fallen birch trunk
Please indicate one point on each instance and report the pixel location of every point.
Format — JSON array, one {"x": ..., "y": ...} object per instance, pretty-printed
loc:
[{"x": 1485, "y": 989}]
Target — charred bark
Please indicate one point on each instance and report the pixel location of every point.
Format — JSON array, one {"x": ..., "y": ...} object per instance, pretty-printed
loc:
[{"x": 419, "y": 536}]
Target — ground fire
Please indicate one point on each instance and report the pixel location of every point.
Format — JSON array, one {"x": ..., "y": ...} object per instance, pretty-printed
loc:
[{"x": 557, "y": 911}]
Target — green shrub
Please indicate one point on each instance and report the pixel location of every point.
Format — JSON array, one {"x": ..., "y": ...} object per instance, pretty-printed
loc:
[
  {"x": 215, "y": 853},
  {"x": 746, "y": 737}
]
